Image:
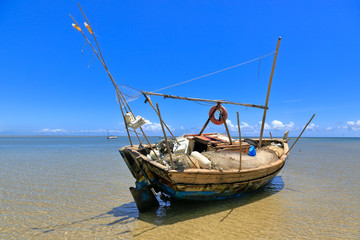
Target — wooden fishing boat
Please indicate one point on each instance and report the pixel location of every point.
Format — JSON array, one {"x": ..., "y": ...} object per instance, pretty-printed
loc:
[
  {"x": 194, "y": 182},
  {"x": 202, "y": 184},
  {"x": 198, "y": 166}
]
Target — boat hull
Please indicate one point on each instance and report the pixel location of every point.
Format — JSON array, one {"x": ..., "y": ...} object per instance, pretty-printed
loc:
[
  {"x": 207, "y": 192},
  {"x": 199, "y": 184}
]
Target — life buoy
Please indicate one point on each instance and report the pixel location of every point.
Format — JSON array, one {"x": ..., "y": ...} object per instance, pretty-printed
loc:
[{"x": 222, "y": 116}]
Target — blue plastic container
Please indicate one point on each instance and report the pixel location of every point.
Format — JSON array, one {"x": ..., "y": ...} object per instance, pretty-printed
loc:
[{"x": 252, "y": 151}]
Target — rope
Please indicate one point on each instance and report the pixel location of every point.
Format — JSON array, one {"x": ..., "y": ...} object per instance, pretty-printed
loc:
[
  {"x": 209, "y": 74},
  {"x": 259, "y": 69},
  {"x": 202, "y": 103}
]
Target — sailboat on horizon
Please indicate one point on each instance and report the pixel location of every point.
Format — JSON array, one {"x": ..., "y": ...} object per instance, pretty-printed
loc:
[{"x": 110, "y": 137}]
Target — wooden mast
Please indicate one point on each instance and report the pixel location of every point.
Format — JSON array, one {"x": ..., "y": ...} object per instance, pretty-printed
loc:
[
  {"x": 120, "y": 95},
  {"x": 238, "y": 122},
  {"x": 268, "y": 93}
]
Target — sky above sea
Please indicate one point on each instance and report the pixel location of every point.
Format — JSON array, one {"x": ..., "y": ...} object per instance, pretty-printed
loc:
[{"x": 52, "y": 84}]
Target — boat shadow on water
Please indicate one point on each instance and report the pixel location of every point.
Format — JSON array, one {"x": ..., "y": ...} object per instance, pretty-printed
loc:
[{"x": 170, "y": 213}]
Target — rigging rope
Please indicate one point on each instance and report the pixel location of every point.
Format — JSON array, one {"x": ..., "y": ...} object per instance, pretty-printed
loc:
[
  {"x": 128, "y": 94},
  {"x": 202, "y": 103},
  {"x": 136, "y": 93},
  {"x": 209, "y": 74}
]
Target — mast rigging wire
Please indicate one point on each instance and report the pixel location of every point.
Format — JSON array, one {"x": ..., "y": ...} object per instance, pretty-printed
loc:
[{"x": 209, "y": 74}]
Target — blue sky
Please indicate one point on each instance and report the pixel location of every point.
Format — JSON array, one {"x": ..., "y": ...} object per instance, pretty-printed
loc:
[{"x": 49, "y": 87}]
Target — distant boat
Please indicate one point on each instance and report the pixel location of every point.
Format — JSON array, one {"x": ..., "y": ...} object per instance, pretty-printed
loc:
[{"x": 111, "y": 137}]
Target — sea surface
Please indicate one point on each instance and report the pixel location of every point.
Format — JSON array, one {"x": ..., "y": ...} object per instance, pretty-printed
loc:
[{"x": 78, "y": 188}]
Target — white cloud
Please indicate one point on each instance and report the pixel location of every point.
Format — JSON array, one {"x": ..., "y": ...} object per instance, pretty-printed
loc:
[
  {"x": 290, "y": 125},
  {"x": 64, "y": 131},
  {"x": 312, "y": 126},
  {"x": 350, "y": 123},
  {"x": 245, "y": 125},
  {"x": 355, "y": 126},
  {"x": 57, "y": 130},
  {"x": 277, "y": 124},
  {"x": 329, "y": 128},
  {"x": 92, "y": 131},
  {"x": 152, "y": 127},
  {"x": 266, "y": 126},
  {"x": 231, "y": 126}
]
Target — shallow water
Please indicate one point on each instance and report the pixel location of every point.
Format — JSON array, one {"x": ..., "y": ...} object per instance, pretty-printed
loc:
[{"x": 78, "y": 188}]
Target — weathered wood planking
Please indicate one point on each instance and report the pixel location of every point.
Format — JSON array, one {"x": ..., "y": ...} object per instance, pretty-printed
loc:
[
  {"x": 217, "y": 177},
  {"x": 203, "y": 184},
  {"x": 239, "y": 186}
]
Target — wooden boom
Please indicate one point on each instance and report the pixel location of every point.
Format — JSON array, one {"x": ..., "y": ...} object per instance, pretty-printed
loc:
[{"x": 204, "y": 100}]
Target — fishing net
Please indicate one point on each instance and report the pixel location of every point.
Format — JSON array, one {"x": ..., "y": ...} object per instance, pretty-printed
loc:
[
  {"x": 222, "y": 161},
  {"x": 228, "y": 160},
  {"x": 130, "y": 93},
  {"x": 181, "y": 161}
]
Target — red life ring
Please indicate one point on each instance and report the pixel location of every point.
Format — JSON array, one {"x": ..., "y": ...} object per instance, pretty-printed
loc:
[{"x": 223, "y": 115}]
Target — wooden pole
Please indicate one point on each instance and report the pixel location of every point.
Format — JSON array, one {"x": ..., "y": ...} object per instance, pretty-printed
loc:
[
  {"x": 270, "y": 135},
  {"x": 124, "y": 100},
  {"x": 149, "y": 100},
  {"x": 147, "y": 140},
  {"x": 204, "y": 100},
  {"x": 126, "y": 126},
  {"x": 208, "y": 120},
  {"x": 166, "y": 141},
  {"x": 238, "y": 122},
  {"x": 151, "y": 104},
  {"x": 92, "y": 33},
  {"x": 228, "y": 133},
  {"x": 301, "y": 133},
  {"x": 268, "y": 92},
  {"x": 112, "y": 80}
]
